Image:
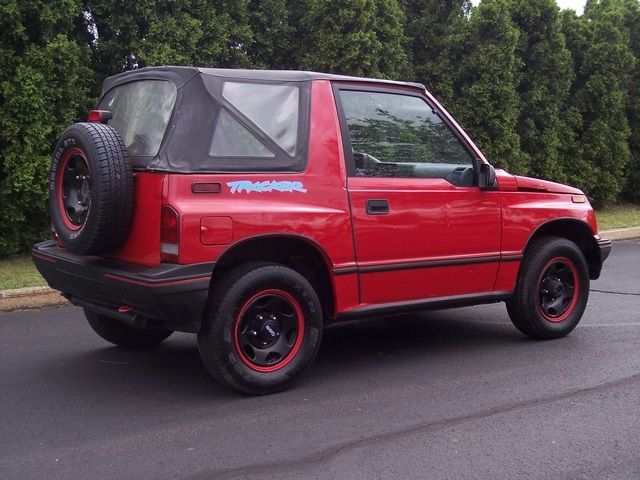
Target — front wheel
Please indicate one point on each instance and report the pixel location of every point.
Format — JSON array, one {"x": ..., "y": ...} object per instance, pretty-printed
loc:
[
  {"x": 552, "y": 289},
  {"x": 262, "y": 328}
]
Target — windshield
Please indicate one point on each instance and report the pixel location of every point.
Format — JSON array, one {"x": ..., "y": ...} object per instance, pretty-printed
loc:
[{"x": 141, "y": 111}]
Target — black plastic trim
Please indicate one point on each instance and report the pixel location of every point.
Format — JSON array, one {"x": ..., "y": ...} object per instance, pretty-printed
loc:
[
  {"x": 605, "y": 249},
  {"x": 172, "y": 294},
  {"x": 426, "y": 304},
  {"x": 429, "y": 264},
  {"x": 345, "y": 270}
]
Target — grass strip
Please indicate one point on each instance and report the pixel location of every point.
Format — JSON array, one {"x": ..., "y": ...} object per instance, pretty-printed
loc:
[
  {"x": 618, "y": 216},
  {"x": 19, "y": 271}
]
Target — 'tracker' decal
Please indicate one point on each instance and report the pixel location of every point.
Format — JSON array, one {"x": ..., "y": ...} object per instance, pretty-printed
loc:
[{"x": 266, "y": 186}]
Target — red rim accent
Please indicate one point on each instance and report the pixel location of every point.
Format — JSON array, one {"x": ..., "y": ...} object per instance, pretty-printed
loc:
[
  {"x": 576, "y": 292},
  {"x": 59, "y": 187},
  {"x": 296, "y": 346}
]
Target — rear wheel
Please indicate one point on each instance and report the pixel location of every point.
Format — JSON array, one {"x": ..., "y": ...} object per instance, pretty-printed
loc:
[
  {"x": 123, "y": 335},
  {"x": 262, "y": 328},
  {"x": 552, "y": 289}
]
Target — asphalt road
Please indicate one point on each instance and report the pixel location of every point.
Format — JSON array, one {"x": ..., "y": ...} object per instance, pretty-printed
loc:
[{"x": 449, "y": 394}]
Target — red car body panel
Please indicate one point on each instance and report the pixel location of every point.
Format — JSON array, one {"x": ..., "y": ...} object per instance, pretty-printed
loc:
[
  {"x": 142, "y": 245},
  {"x": 434, "y": 234}
]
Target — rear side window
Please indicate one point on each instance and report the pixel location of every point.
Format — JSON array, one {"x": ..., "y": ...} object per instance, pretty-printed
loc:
[
  {"x": 273, "y": 108},
  {"x": 257, "y": 125},
  {"x": 141, "y": 111},
  {"x": 232, "y": 139},
  {"x": 396, "y": 135}
]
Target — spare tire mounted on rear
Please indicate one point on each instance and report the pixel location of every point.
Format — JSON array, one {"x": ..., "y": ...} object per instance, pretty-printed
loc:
[{"x": 91, "y": 189}]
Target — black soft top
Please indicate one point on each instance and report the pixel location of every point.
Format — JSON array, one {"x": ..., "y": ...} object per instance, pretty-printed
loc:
[
  {"x": 186, "y": 146},
  {"x": 180, "y": 75}
]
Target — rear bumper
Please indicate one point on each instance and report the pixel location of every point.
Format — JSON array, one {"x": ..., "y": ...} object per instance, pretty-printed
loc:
[{"x": 170, "y": 295}]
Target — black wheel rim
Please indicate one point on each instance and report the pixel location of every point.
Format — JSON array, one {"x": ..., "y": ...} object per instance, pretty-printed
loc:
[
  {"x": 269, "y": 330},
  {"x": 558, "y": 289},
  {"x": 75, "y": 191}
]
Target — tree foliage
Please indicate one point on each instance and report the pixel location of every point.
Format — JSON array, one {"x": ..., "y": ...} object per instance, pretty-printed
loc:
[
  {"x": 44, "y": 83},
  {"x": 544, "y": 92},
  {"x": 485, "y": 89},
  {"x": 606, "y": 72},
  {"x": 355, "y": 37}
]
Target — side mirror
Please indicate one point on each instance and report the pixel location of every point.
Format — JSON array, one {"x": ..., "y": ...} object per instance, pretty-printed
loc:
[{"x": 486, "y": 175}]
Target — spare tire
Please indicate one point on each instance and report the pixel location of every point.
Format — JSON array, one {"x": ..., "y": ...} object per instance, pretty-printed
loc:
[{"x": 91, "y": 189}]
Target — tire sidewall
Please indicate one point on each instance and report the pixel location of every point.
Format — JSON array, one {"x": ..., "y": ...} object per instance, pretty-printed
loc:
[
  {"x": 222, "y": 329},
  {"x": 72, "y": 138},
  {"x": 539, "y": 262}
]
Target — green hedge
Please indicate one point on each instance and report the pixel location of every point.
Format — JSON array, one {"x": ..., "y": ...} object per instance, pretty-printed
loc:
[{"x": 542, "y": 91}]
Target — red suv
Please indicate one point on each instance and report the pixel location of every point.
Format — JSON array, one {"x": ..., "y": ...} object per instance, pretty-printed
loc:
[{"x": 255, "y": 207}]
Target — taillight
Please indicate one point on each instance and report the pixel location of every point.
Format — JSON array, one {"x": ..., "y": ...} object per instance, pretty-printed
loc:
[
  {"x": 99, "y": 116},
  {"x": 169, "y": 234}
]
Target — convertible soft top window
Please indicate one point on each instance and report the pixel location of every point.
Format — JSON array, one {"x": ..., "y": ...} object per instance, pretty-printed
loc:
[{"x": 141, "y": 111}]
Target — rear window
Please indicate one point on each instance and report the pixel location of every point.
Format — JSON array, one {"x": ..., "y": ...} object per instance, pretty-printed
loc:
[{"x": 141, "y": 111}]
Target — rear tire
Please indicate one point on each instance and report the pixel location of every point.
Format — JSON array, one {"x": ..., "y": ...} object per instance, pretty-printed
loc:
[
  {"x": 552, "y": 289},
  {"x": 123, "y": 335},
  {"x": 262, "y": 328}
]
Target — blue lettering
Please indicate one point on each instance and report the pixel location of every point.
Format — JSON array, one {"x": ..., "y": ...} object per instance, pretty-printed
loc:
[{"x": 240, "y": 186}]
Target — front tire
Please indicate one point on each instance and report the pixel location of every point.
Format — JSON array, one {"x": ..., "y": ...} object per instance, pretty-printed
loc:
[
  {"x": 552, "y": 289},
  {"x": 123, "y": 335},
  {"x": 262, "y": 328}
]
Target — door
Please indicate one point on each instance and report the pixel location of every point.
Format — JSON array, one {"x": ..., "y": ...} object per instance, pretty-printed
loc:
[{"x": 422, "y": 227}]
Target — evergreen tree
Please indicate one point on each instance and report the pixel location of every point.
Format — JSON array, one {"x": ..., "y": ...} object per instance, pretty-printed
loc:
[
  {"x": 162, "y": 32},
  {"x": 486, "y": 84},
  {"x": 606, "y": 70},
  {"x": 577, "y": 169},
  {"x": 545, "y": 81},
  {"x": 355, "y": 37},
  {"x": 44, "y": 86},
  {"x": 433, "y": 30},
  {"x": 272, "y": 32},
  {"x": 631, "y": 189}
]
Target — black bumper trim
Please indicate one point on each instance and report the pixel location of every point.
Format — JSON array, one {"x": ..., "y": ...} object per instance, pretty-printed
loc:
[
  {"x": 605, "y": 248},
  {"x": 172, "y": 294}
]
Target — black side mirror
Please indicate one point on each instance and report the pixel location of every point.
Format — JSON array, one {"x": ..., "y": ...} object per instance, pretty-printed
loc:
[{"x": 486, "y": 175}]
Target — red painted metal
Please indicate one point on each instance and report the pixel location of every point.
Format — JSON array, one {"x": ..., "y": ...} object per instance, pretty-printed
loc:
[
  {"x": 428, "y": 220},
  {"x": 142, "y": 245}
]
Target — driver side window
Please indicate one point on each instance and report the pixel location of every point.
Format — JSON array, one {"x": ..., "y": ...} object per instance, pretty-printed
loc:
[{"x": 395, "y": 135}]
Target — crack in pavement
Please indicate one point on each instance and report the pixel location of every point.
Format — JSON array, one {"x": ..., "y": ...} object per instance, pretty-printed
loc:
[
  {"x": 615, "y": 293},
  {"x": 317, "y": 458}
]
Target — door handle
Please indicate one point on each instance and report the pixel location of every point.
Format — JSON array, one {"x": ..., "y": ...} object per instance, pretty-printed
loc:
[{"x": 377, "y": 207}]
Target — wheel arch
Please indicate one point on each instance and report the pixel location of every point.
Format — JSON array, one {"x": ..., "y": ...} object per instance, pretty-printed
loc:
[
  {"x": 576, "y": 231},
  {"x": 296, "y": 252}
]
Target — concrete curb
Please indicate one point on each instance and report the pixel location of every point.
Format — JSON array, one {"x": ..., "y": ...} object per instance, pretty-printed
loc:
[
  {"x": 40, "y": 297},
  {"x": 621, "y": 233}
]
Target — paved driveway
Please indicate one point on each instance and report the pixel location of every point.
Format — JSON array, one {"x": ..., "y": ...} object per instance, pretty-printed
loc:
[{"x": 449, "y": 394}]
